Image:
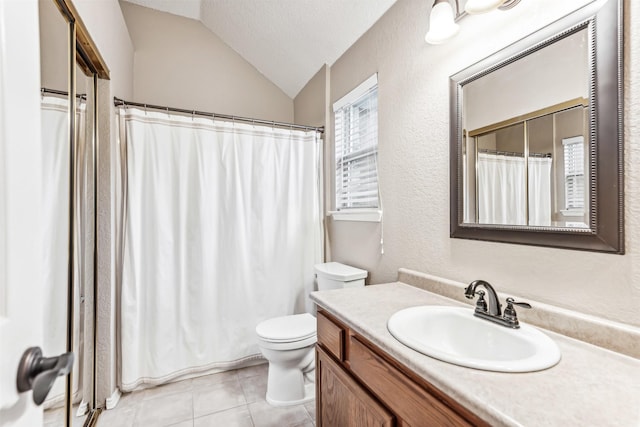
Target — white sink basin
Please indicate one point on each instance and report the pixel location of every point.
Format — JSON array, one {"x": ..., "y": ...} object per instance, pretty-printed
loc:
[{"x": 455, "y": 335}]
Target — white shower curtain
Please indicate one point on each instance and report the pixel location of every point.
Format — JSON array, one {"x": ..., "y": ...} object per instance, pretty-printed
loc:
[
  {"x": 501, "y": 190},
  {"x": 55, "y": 173},
  {"x": 222, "y": 228}
]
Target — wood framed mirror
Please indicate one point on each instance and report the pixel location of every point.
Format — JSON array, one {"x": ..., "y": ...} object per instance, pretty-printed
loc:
[{"x": 536, "y": 138}]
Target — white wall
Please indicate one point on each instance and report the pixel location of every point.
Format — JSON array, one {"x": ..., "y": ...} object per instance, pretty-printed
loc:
[
  {"x": 414, "y": 165},
  {"x": 180, "y": 63}
]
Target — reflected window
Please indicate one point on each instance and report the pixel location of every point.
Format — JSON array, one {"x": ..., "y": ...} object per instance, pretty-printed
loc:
[{"x": 574, "y": 173}]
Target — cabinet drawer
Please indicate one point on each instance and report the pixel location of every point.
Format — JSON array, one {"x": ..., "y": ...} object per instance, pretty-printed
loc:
[
  {"x": 331, "y": 336},
  {"x": 409, "y": 401}
]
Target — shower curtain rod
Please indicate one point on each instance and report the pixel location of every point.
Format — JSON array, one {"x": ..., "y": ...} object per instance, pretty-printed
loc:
[
  {"x": 513, "y": 153},
  {"x": 62, "y": 92},
  {"x": 121, "y": 103}
]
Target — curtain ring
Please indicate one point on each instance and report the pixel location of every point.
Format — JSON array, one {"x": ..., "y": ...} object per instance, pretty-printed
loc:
[
  {"x": 213, "y": 118},
  {"x": 145, "y": 109}
]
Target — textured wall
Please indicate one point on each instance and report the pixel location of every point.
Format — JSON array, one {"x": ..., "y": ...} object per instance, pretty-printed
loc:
[
  {"x": 180, "y": 63},
  {"x": 414, "y": 165}
]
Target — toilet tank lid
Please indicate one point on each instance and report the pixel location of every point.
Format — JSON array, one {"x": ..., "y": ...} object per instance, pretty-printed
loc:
[{"x": 341, "y": 272}]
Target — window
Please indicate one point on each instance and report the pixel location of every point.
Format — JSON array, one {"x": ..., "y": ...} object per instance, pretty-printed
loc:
[
  {"x": 356, "y": 149},
  {"x": 574, "y": 173}
]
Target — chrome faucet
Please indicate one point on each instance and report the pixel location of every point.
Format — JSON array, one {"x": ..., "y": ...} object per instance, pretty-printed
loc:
[
  {"x": 494, "y": 304},
  {"x": 492, "y": 311}
]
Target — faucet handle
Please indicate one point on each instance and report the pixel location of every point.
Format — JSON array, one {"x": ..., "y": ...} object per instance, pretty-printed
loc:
[
  {"x": 481, "y": 304},
  {"x": 510, "y": 314},
  {"x": 511, "y": 302}
]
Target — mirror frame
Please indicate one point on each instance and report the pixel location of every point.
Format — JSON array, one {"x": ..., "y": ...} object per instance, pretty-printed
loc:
[{"x": 603, "y": 21}]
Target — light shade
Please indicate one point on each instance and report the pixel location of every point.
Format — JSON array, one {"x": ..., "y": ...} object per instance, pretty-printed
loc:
[
  {"x": 441, "y": 24},
  {"x": 481, "y": 6}
]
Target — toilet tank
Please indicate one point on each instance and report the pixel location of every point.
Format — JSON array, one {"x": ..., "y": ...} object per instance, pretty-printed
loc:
[{"x": 333, "y": 275}]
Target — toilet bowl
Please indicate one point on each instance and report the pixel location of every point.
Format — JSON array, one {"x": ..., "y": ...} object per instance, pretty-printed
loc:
[{"x": 288, "y": 342}]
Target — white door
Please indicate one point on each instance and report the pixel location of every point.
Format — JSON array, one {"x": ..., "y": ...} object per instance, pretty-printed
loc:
[{"x": 21, "y": 278}]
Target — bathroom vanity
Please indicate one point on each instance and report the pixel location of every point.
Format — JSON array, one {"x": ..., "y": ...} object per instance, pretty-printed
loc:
[
  {"x": 349, "y": 368},
  {"x": 364, "y": 376}
]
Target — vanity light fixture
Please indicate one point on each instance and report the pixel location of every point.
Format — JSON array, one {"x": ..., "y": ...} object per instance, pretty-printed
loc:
[
  {"x": 442, "y": 20},
  {"x": 442, "y": 26},
  {"x": 481, "y": 6}
]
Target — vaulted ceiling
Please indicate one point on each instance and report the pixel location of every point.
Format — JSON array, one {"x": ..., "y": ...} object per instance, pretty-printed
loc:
[{"x": 286, "y": 40}]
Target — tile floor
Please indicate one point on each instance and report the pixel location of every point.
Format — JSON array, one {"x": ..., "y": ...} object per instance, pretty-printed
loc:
[{"x": 228, "y": 399}]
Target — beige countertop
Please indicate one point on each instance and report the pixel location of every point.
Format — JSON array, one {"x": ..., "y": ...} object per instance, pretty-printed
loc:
[{"x": 590, "y": 386}]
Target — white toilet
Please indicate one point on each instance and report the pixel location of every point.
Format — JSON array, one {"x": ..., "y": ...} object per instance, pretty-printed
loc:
[{"x": 288, "y": 342}]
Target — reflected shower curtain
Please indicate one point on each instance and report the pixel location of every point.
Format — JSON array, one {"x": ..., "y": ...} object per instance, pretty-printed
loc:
[
  {"x": 501, "y": 190},
  {"x": 222, "y": 227},
  {"x": 540, "y": 191},
  {"x": 55, "y": 140}
]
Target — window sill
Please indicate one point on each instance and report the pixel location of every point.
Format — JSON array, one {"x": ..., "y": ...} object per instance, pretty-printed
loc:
[
  {"x": 572, "y": 212},
  {"x": 365, "y": 215}
]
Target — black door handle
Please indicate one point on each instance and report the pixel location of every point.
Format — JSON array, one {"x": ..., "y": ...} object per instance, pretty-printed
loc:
[{"x": 39, "y": 373}]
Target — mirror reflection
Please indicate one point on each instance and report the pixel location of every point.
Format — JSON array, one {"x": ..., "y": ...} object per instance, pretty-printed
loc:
[
  {"x": 525, "y": 141},
  {"x": 54, "y": 110}
]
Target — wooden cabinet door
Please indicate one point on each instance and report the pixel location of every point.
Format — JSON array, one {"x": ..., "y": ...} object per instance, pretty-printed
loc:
[{"x": 341, "y": 402}]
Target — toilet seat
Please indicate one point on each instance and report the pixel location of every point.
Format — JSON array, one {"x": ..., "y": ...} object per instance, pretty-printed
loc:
[
  {"x": 287, "y": 329},
  {"x": 287, "y": 332}
]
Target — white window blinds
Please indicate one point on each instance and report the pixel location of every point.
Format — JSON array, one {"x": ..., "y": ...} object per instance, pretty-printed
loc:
[
  {"x": 356, "y": 148},
  {"x": 574, "y": 172}
]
